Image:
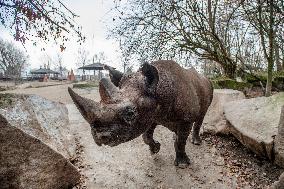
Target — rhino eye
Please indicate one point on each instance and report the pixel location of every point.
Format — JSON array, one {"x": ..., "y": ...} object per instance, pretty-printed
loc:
[{"x": 129, "y": 113}]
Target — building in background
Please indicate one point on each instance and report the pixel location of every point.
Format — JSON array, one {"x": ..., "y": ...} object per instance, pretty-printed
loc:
[
  {"x": 43, "y": 74},
  {"x": 95, "y": 71}
]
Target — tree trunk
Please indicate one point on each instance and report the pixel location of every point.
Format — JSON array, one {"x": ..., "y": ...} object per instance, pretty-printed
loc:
[
  {"x": 230, "y": 70},
  {"x": 269, "y": 77},
  {"x": 271, "y": 51},
  {"x": 277, "y": 58},
  {"x": 282, "y": 50}
]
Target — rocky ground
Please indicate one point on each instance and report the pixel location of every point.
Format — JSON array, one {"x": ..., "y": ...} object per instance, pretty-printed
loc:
[
  {"x": 220, "y": 162},
  {"x": 244, "y": 165}
]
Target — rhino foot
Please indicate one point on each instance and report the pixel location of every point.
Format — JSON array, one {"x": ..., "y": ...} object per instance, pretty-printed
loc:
[
  {"x": 182, "y": 161},
  {"x": 155, "y": 147},
  {"x": 196, "y": 140}
]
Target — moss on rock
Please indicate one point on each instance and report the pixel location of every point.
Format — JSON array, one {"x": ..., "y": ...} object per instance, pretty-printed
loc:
[
  {"x": 278, "y": 82},
  {"x": 230, "y": 84}
]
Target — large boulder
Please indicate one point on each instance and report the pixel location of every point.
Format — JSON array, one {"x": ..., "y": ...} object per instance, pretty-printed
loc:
[
  {"x": 214, "y": 121},
  {"x": 35, "y": 144},
  {"x": 27, "y": 162},
  {"x": 254, "y": 122},
  {"x": 279, "y": 142},
  {"x": 44, "y": 119}
]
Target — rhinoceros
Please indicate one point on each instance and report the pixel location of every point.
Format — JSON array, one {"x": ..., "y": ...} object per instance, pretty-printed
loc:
[{"x": 159, "y": 93}]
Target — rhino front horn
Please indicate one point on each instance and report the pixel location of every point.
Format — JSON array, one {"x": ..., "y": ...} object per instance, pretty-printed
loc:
[{"x": 88, "y": 108}]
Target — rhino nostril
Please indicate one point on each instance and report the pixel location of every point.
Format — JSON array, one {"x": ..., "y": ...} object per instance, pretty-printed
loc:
[
  {"x": 129, "y": 117},
  {"x": 97, "y": 124},
  {"x": 129, "y": 113},
  {"x": 104, "y": 138}
]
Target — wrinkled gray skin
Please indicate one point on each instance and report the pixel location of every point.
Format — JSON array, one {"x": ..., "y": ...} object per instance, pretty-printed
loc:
[{"x": 160, "y": 93}]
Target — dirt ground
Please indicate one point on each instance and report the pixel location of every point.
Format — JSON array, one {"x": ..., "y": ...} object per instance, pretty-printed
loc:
[
  {"x": 220, "y": 162},
  {"x": 56, "y": 92}
]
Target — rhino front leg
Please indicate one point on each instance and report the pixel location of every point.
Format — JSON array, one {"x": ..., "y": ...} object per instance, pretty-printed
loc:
[
  {"x": 195, "y": 133},
  {"x": 182, "y": 160},
  {"x": 149, "y": 140}
]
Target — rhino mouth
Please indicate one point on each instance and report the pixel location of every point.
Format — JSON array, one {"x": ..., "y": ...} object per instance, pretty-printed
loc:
[{"x": 110, "y": 135}]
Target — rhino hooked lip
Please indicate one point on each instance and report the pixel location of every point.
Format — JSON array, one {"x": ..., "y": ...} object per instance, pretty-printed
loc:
[
  {"x": 104, "y": 138},
  {"x": 107, "y": 135}
]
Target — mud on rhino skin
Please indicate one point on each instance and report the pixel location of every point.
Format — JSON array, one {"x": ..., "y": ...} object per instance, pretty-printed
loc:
[{"x": 160, "y": 93}]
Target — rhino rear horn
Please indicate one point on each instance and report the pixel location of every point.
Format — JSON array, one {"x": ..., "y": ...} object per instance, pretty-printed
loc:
[
  {"x": 88, "y": 108},
  {"x": 107, "y": 90},
  {"x": 115, "y": 76}
]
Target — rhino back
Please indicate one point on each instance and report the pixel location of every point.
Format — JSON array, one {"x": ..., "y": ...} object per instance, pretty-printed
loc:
[
  {"x": 183, "y": 94},
  {"x": 203, "y": 87}
]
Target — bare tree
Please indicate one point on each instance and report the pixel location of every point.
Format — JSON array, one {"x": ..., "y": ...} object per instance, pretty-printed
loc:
[
  {"x": 175, "y": 29},
  {"x": 100, "y": 57},
  {"x": 82, "y": 58},
  {"x": 13, "y": 61},
  {"x": 46, "y": 60},
  {"x": 242, "y": 34},
  {"x": 43, "y": 19},
  {"x": 56, "y": 63},
  {"x": 265, "y": 16}
]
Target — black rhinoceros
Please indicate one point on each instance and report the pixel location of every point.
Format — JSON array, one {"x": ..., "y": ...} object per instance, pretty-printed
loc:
[{"x": 160, "y": 93}]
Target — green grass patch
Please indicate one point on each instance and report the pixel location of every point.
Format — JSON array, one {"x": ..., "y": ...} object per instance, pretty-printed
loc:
[{"x": 85, "y": 85}]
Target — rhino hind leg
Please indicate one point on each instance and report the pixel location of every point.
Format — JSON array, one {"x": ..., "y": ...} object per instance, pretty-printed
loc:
[
  {"x": 182, "y": 133},
  {"x": 195, "y": 131},
  {"x": 154, "y": 146}
]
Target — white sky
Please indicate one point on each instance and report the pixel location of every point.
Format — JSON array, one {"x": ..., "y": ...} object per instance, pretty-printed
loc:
[{"x": 93, "y": 14}]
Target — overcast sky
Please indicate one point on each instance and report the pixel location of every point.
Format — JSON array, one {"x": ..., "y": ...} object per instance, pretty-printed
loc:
[{"x": 93, "y": 18}]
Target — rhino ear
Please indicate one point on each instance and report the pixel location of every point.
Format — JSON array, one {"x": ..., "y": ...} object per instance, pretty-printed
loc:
[
  {"x": 152, "y": 76},
  {"x": 115, "y": 76}
]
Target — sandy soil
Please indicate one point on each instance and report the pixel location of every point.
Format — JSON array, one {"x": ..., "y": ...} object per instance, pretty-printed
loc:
[
  {"x": 57, "y": 92},
  {"x": 7, "y": 84},
  {"x": 220, "y": 162}
]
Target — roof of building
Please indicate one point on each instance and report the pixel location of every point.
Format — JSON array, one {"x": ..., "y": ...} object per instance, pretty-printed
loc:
[
  {"x": 44, "y": 71},
  {"x": 94, "y": 66}
]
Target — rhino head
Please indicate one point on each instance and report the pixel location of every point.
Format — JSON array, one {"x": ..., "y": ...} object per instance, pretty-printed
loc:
[{"x": 127, "y": 107}]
